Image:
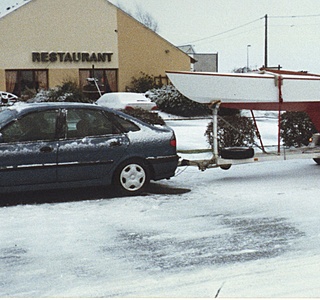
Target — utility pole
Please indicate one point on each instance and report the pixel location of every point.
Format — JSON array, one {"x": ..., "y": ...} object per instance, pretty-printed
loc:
[
  {"x": 248, "y": 57},
  {"x": 266, "y": 42}
]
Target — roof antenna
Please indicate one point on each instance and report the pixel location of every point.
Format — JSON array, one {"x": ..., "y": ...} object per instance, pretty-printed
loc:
[{"x": 219, "y": 290}]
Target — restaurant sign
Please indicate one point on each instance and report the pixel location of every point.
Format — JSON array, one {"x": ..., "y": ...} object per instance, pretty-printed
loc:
[{"x": 71, "y": 57}]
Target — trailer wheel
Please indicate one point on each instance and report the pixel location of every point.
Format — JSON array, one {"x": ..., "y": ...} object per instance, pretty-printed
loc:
[
  {"x": 317, "y": 160},
  {"x": 225, "y": 167},
  {"x": 237, "y": 153}
]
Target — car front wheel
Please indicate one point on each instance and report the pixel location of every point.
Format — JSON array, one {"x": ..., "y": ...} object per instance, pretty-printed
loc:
[{"x": 131, "y": 177}]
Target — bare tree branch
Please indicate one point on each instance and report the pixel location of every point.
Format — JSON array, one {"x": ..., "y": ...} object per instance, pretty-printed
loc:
[
  {"x": 146, "y": 18},
  {"x": 142, "y": 16}
]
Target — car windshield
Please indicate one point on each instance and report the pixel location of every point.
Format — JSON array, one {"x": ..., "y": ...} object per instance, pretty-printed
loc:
[{"x": 6, "y": 115}]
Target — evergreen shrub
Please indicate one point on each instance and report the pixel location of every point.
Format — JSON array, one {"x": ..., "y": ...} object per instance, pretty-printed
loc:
[
  {"x": 69, "y": 91},
  {"x": 296, "y": 129},
  {"x": 171, "y": 101},
  {"x": 142, "y": 84},
  {"x": 233, "y": 131}
]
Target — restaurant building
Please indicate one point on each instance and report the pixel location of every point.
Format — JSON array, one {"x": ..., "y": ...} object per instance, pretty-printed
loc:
[{"x": 45, "y": 43}]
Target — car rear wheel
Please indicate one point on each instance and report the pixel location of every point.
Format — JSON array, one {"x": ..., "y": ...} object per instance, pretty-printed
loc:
[{"x": 131, "y": 177}]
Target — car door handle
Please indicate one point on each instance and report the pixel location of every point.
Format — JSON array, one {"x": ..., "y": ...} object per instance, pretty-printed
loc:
[
  {"x": 46, "y": 149},
  {"x": 115, "y": 144}
]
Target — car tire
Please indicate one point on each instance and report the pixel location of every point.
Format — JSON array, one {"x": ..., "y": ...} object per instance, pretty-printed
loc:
[
  {"x": 317, "y": 160},
  {"x": 237, "y": 153},
  {"x": 131, "y": 177}
]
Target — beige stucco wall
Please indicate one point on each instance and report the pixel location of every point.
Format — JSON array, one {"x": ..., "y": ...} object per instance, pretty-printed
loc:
[{"x": 141, "y": 50}]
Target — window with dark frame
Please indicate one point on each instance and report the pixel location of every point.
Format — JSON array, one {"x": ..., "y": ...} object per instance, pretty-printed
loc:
[
  {"x": 19, "y": 81},
  {"x": 107, "y": 80}
]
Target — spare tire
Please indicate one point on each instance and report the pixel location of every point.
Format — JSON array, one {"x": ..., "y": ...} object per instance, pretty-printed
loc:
[{"x": 237, "y": 153}]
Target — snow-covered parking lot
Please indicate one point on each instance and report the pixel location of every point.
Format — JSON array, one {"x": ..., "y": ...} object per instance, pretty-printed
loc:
[{"x": 253, "y": 231}]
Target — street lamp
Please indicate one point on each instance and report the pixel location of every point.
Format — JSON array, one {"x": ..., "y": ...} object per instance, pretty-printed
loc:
[{"x": 248, "y": 46}]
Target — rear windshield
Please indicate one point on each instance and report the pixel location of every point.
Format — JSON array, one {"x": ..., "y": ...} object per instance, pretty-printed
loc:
[{"x": 126, "y": 124}]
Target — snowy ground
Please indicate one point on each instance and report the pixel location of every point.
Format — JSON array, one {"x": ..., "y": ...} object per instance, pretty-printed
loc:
[{"x": 252, "y": 230}]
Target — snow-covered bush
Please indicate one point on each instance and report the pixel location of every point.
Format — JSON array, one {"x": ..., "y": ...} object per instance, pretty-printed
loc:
[
  {"x": 171, "y": 101},
  {"x": 296, "y": 129},
  {"x": 233, "y": 131},
  {"x": 68, "y": 92},
  {"x": 31, "y": 95}
]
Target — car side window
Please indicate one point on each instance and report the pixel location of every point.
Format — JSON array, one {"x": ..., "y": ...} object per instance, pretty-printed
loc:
[
  {"x": 89, "y": 122},
  {"x": 34, "y": 126}
]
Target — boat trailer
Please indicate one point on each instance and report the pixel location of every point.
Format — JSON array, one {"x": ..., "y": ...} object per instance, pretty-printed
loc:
[{"x": 243, "y": 155}]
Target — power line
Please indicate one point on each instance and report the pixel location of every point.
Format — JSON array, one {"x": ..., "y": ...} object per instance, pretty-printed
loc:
[
  {"x": 246, "y": 24},
  {"x": 299, "y": 16},
  {"x": 232, "y": 29},
  {"x": 294, "y": 25},
  {"x": 235, "y": 34}
]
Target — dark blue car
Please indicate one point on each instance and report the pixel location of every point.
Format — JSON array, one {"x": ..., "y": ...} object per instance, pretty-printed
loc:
[{"x": 65, "y": 145}]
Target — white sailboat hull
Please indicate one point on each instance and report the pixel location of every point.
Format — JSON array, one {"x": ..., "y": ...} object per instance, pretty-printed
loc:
[{"x": 246, "y": 88}]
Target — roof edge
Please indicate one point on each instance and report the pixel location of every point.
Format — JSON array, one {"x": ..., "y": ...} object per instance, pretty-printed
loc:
[
  {"x": 13, "y": 8},
  {"x": 161, "y": 37}
]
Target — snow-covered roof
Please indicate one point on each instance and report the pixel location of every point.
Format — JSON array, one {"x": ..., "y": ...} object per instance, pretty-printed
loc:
[{"x": 7, "y": 6}]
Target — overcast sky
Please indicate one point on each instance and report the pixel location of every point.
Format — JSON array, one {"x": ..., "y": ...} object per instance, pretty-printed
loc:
[
  {"x": 293, "y": 29},
  {"x": 229, "y": 26}
]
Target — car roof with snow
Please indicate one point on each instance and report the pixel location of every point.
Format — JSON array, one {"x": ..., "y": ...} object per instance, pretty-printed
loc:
[{"x": 23, "y": 106}]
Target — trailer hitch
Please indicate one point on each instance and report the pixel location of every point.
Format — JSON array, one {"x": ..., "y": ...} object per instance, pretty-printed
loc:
[{"x": 201, "y": 164}]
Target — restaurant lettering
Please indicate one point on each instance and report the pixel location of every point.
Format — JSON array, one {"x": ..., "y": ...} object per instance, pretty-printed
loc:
[{"x": 69, "y": 57}]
